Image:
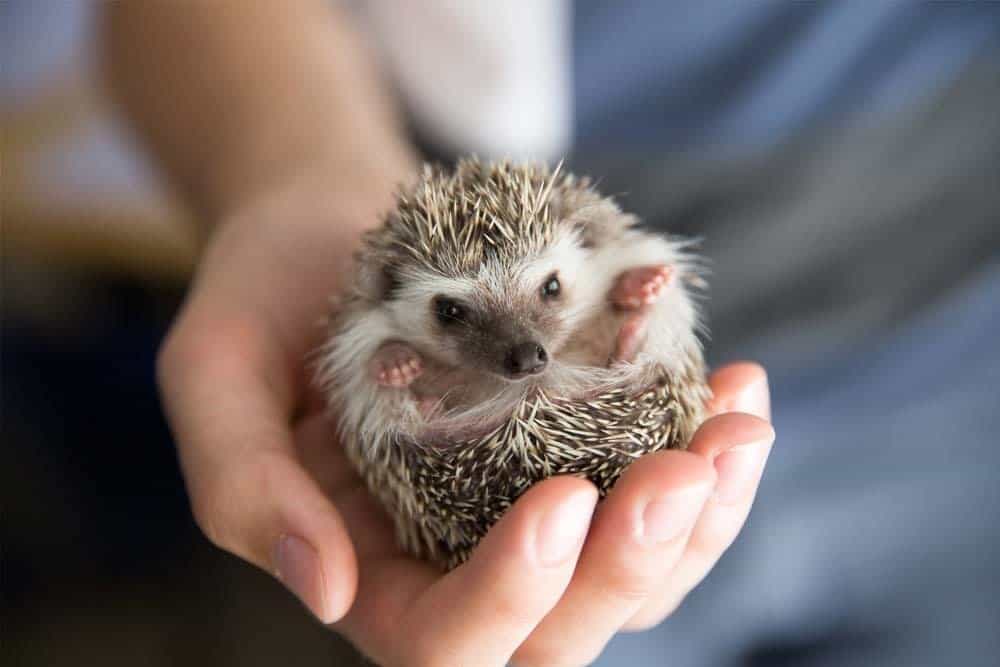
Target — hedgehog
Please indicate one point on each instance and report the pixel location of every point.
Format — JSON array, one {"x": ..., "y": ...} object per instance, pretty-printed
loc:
[{"x": 507, "y": 323}]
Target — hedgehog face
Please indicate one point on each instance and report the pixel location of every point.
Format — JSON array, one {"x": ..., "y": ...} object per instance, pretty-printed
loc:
[
  {"x": 508, "y": 320},
  {"x": 481, "y": 333},
  {"x": 483, "y": 268}
]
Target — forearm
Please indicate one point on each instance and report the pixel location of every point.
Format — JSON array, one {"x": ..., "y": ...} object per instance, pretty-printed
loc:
[{"x": 239, "y": 98}]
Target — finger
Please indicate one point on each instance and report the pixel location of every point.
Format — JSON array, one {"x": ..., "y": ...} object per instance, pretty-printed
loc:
[
  {"x": 638, "y": 534},
  {"x": 737, "y": 445},
  {"x": 482, "y": 611},
  {"x": 249, "y": 493},
  {"x": 322, "y": 454},
  {"x": 740, "y": 387}
]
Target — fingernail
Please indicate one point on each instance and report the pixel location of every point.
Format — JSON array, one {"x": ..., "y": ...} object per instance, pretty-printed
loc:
[
  {"x": 297, "y": 567},
  {"x": 670, "y": 516},
  {"x": 738, "y": 470},
  {"x": 562, "y": 531},
  {"x": 754, "y": 400}
]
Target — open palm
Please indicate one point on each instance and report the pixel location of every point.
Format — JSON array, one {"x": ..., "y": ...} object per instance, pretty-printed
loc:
[{"x": 550, "y": 584}]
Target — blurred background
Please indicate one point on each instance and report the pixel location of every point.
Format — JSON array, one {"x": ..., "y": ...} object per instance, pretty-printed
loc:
[
  {"x": 102, "y": 563},
  {"x": 846, "y": 180}
]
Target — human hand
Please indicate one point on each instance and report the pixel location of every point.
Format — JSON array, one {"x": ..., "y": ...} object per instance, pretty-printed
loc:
[
  {"x": 551, "y": 583},
  {"x": 627, "y": 568}
]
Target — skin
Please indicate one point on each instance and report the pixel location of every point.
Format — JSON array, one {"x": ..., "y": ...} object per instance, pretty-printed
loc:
[{"x": 286, "y": 180}]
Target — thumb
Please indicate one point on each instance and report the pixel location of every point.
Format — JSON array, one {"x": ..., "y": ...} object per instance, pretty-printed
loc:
[
  {"x": 483, "y": 610},
  {"x": 249, "y": 493}
]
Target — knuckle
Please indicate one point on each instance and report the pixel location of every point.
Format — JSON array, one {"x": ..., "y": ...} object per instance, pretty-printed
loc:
[
  {"x": 711, "y": 547},
  {"x": 206, "y": 509},
  {"x": 536, "y": 654},
  {"x": 716, "y": 533},
  {"x": 188, "y": 355},
  {"x": 657, "y": 611},
  {"x": 170, "y": 355},
  {"x": 197, "y": 343},
  {"x": 649, "y": 618},
  {"x": 219, "y": 501},
  {"x": 628, "y": 583},
  {"x": 531, "y": 655},
  {"x": 643, "y": 623},
  {"x": 515, "y": 610},
  {"x": 428, "y": 651}
]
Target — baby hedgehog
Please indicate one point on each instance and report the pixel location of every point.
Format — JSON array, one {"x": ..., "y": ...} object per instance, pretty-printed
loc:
[{"x": 508, "y": 323}]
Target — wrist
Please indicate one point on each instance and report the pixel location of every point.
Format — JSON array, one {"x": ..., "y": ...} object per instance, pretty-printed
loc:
[
  {"x": 323, "y": 197},
  {"x": 354, "y": 190}
]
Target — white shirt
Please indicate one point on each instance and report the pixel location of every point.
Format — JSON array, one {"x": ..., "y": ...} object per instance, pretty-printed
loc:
[{"x": 490, "y": 78}]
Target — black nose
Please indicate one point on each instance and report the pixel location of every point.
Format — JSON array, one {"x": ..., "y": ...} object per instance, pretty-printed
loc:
[{"x": 525, "y": 359}]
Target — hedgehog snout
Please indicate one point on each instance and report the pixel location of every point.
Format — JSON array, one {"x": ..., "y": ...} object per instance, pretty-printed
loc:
[{"x": 525, "y": 359}]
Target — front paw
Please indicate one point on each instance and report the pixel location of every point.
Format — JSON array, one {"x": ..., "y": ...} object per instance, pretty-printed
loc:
[
  {"x": 395, "y": 365},
  {"x": 640, "y": 286}
]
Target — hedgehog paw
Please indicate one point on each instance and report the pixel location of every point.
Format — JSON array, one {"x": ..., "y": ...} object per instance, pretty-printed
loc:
[
  {"x": 640, "y": 286},
  {"x": 396, "y": 365},
  {"x": 631, "y": 336}
]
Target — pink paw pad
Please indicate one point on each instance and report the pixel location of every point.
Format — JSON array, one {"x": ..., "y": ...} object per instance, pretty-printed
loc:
[
  {"x": 396, "y": 365},
  {"x": 640, "y": 286}
]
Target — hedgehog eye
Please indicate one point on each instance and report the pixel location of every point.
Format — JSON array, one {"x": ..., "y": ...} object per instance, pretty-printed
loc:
[
  {"x": 448, "y": 311},
  {"x": 551, "y": 287}
]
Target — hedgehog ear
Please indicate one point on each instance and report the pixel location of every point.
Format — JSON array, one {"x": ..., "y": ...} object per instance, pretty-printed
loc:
[
  {"x": 389, "y": 282},
  {"x": 378, "y": 280},
  {"x": 600, "y": 223},
  {"x": 588, "y": 233},
  {"x": 596, "y": 219},
  {"x": 377, "y": 275}
]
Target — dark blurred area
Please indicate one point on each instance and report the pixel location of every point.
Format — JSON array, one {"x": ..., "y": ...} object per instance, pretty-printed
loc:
[{"x": 101, "y": 562}]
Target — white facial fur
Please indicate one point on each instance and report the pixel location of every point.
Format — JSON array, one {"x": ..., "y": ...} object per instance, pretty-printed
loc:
[
  {"x": 587, "y": 276},
  {"x": 496, "y": 287}
]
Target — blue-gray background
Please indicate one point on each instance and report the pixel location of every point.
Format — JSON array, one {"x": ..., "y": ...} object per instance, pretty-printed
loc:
[{"x": 841, "y": 161}]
